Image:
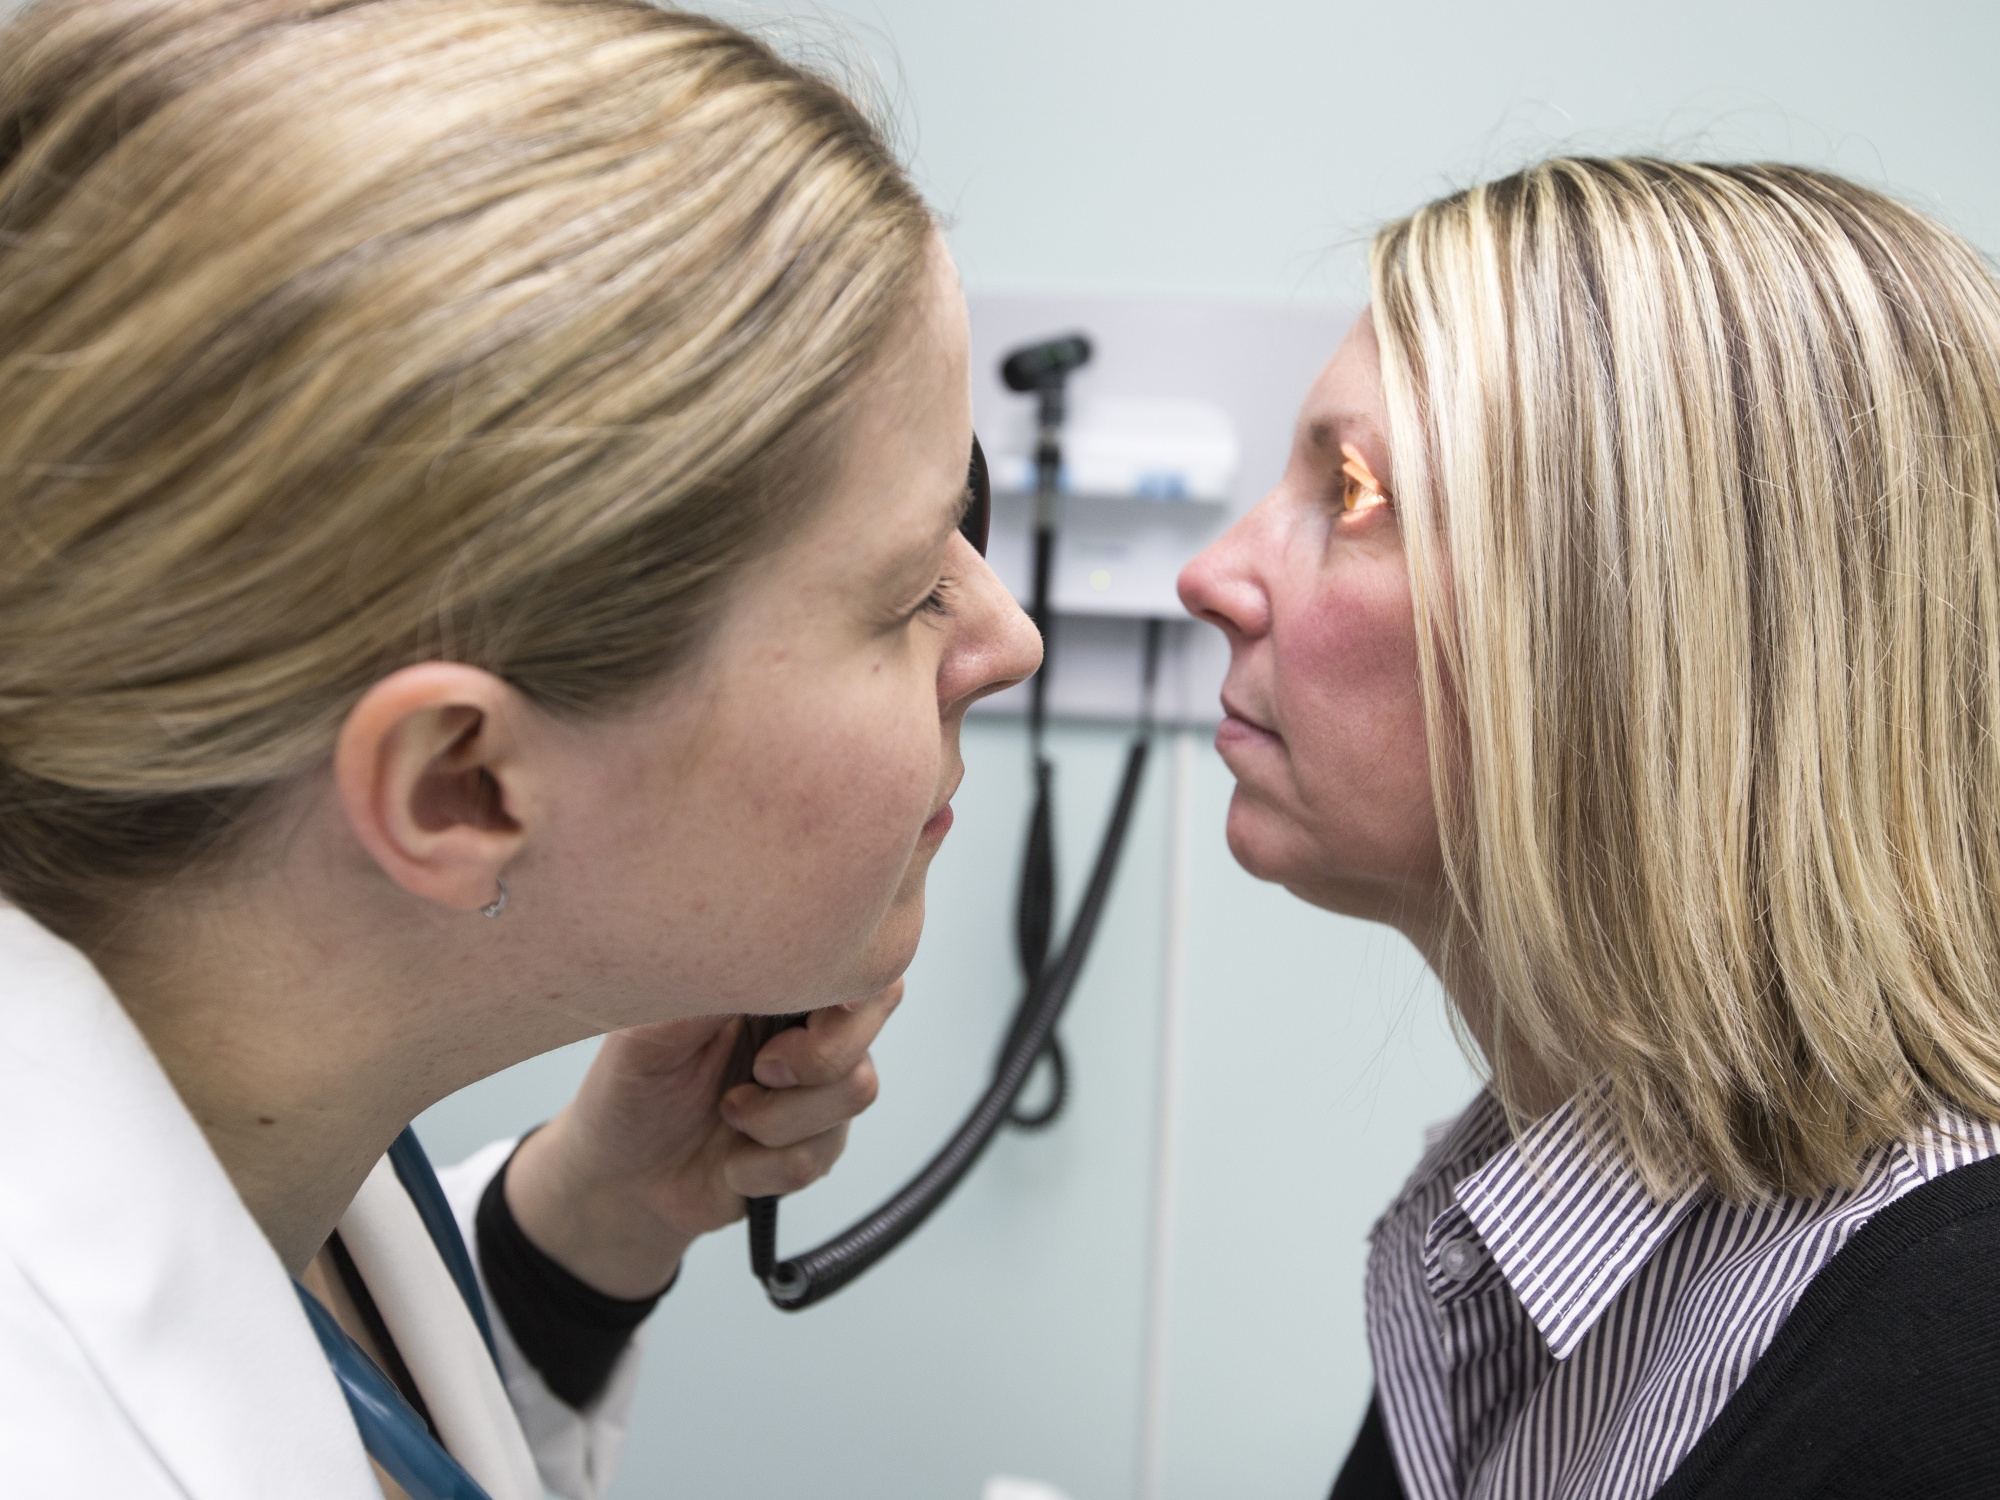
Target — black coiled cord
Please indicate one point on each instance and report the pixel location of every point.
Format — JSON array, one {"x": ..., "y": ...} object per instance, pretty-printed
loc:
[
  {"x": 1034, "y": 925},
  {"x": 1034, "y": 912},
  {"x": 805, "y": 1279}
]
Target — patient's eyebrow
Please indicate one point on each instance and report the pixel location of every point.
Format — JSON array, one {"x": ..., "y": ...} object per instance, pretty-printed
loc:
[{"x": 1325, "y": 433}]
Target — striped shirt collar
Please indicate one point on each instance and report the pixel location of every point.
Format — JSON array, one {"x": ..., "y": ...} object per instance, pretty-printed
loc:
[
  {"x": 1563, "y": 1212},
  {"x": 1645, "y": 1315}
]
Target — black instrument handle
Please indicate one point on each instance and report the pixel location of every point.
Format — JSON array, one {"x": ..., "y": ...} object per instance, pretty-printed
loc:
[{"x": 763, "y": 1212}]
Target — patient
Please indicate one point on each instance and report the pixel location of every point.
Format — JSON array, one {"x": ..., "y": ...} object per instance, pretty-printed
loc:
[{"x": 1625, "y": 631}]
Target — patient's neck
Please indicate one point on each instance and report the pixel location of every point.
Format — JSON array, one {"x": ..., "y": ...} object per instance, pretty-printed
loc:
[{"x": 1532, "y": 1088}]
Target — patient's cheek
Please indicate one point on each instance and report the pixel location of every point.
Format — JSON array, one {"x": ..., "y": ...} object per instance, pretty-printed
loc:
[
  {"x": 1352, "y": 662},
  {"x": 1355, "y": 722}
]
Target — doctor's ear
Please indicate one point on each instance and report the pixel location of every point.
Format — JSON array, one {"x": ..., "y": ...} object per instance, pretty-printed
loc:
[{"x": 430, "y": 775}]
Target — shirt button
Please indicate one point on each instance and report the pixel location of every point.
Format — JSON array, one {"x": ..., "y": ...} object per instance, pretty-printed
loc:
[{"x": 1458, "y": 1260}]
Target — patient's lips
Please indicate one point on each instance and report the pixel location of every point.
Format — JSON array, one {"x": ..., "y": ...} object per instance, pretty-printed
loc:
[{"x": 1240, "y": 728}]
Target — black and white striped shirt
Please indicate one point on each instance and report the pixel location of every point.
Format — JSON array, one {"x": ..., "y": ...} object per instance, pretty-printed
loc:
[{"x": 1542, "y": 1327}]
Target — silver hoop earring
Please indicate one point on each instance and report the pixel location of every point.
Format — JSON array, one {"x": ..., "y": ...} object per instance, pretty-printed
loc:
[{"x": 499, "y": 903}]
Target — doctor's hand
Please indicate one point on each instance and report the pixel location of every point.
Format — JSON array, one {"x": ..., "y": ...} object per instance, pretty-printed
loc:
[{"x": 658, "y": 1149}]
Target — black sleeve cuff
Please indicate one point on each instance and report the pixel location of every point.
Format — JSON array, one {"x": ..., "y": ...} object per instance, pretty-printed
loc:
[{"x": 569, "y": 1331}]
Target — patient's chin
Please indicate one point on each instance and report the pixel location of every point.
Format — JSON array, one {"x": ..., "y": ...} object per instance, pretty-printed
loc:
[{"x": 1263, "y": 843}]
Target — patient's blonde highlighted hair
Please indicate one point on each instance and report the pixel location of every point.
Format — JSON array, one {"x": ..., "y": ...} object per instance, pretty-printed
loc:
[
  {"x": 340, "y": 335},
  {"x": 1700, "y": 477}
]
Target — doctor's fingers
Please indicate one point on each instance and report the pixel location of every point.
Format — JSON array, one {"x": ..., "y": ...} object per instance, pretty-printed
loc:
[
  {"x": 829, "y": 1046},
  {"x": 763, "y": 1171},
  {"x": 785, "y": 1117}
]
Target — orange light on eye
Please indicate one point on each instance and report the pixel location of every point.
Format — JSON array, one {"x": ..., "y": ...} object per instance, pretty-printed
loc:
[{"x": 1363, "y": 491}]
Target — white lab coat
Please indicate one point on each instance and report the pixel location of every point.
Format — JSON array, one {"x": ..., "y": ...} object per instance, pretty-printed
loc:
[{"x": 151, "y": 1344}]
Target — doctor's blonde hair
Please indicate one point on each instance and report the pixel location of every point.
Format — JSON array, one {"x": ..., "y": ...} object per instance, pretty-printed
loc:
[
  {"x": 339, "y": 336},
  {"x": 1699, "y": 472}
]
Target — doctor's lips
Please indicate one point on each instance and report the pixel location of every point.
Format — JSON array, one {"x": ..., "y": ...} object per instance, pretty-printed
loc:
[{"x": 940, "y": 821}]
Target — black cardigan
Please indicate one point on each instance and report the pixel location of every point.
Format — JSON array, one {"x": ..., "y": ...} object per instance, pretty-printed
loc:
[{"x": 1884, "y": 1383}]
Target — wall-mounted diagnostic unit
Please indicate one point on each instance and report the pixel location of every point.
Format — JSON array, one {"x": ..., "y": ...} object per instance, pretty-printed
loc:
[
  {"x": 1146, "y": 483},
  {"x": 1089, "y": 498}
]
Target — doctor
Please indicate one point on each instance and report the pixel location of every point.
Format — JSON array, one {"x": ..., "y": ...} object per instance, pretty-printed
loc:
[{"x": 481, "y": 484}]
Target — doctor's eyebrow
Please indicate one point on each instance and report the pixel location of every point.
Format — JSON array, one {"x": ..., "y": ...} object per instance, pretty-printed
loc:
[
  {"x": 905, "y": 561},
  {"x": 957, "y": 508},
  {"x": 954, "y": 513}
]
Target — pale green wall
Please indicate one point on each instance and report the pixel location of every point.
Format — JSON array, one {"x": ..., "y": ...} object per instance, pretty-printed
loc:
[
  {"x": 1160, "y": 146},
  {"x": 1244, "y": 150}
]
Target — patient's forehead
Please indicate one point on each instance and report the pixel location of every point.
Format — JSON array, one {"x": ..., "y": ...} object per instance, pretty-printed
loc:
[{"x": 1345, "y": 403}]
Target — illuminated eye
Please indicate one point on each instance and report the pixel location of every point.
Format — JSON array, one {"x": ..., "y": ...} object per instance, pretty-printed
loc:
[{"x": 1360, "y": 489}]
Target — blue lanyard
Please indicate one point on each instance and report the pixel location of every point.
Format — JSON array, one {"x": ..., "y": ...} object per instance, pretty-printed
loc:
[{"x": 394, "y": 1435}]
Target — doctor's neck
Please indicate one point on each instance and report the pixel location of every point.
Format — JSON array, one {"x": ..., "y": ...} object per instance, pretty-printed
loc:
[{"x": 306, "y": 1015}]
